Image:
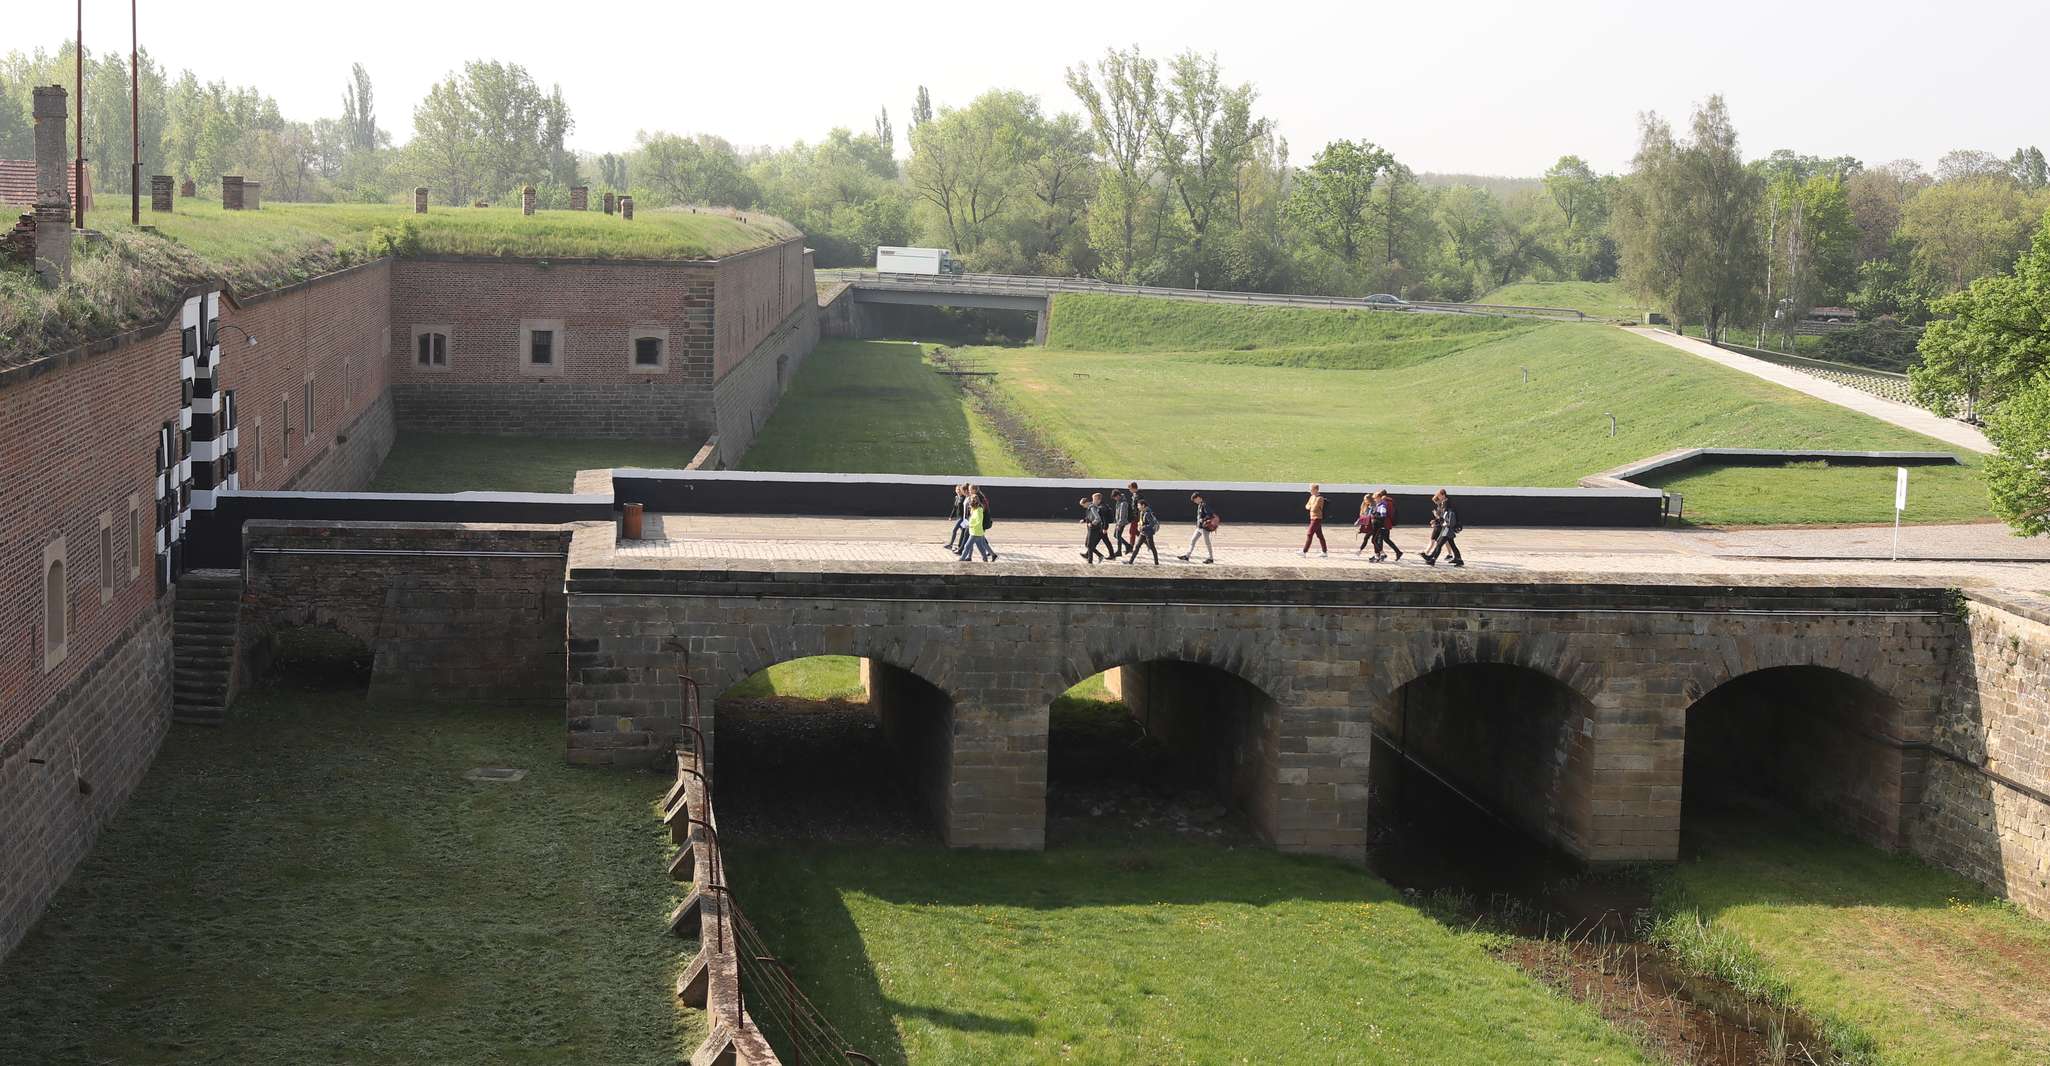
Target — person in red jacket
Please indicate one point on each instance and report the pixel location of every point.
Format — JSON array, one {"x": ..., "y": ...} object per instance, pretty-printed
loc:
[{"x": 1384, "y": 527}]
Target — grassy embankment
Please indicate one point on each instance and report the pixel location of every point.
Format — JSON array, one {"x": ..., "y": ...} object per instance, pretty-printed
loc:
[
  {"x": 133, "y": 278},
  {"x": 318, "y": 883},
  {"x": 1153, "y": 389},
  {"x": 1917, "y": 965},
  {"x": 878, "y": 407},
  {"x": 1605, "y": 300}
]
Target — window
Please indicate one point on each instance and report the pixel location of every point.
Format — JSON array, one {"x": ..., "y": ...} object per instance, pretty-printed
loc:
[
  {"x": 307, "y": 405},
  {"x": 647, "y": 350},
  {"x": 543, "y": 346},
  {"x": 56, "y": 605},
  {"x": 430, "y": 350},
  {"x": 106, "y": 558},
  {"x": 255, "y": 452},
  {"x": 135, "y": 548},
  {"x": 285, "y": 429},
  {"x": 348, "y": 370}
]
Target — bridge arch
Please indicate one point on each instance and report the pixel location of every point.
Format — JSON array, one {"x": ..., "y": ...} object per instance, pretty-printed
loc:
[
  {"x": 1812, "y": 738},
  {"x": 1553, "y": 656},
  {"x": 1508, "y": 738}
]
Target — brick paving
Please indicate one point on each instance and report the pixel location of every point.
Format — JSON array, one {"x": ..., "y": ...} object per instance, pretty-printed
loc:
[{"x": 1979, "y": 555}]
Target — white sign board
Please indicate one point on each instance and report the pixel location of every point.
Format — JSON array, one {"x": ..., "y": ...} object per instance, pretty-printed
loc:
[{"x": 1900, "y": 488}]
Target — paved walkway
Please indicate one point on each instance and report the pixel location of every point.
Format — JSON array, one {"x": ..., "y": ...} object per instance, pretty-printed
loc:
[
  {"x": 1948, "y": 430},
  {"x": 1982, "y": 555}
]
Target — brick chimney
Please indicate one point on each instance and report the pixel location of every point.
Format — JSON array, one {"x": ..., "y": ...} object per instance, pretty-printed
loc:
[
  {"x": 420, "y": 200},
  {"x": 231, "y": 192},
  {"x": 53, "y": 195},
  {"x": 188, "y": 190},
  {"x": 580, "y": 197},
  {"x": 611, "y": 203},
  {"x": 527, "y": 200},
  {"x": 160, "y": 192},
  {"x": 252, "y": 195},
  {"x": 626, "y": 208}
]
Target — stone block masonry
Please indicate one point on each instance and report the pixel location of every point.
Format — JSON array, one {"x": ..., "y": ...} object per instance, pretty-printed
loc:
[
  {"x": 160, "y": 192},
  {"x": 231, "y": 193},
  {"x": 747, "y": 394},
  {"x": 69, "y": 770},
  {"x": 449, "y": 611},
  {"x": 671, "y": 411},
  {"x": 1985, "y": 801}
]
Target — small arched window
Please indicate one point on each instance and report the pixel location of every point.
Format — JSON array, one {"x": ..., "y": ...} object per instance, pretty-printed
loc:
[{"x": 56, "y": 609}]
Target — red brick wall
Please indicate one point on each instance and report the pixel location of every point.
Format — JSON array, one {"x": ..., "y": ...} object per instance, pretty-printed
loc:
[
  {"x": 324, "y": 327},
  {"x": 756, "y": 293}
]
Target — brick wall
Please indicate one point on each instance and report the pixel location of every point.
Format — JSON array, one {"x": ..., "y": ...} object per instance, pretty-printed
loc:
[
  {"x": 756, "y": 292},
  {"x": 747, "y": 394},
  {"x": 448, "y": 610},
  {"x": 593, "y": 390},
  {"x": 1978, "y": 816},
  {"x": 104, "y": 728}
]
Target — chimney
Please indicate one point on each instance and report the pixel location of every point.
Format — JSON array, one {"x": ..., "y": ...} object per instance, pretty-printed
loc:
[
  {"x": 420, "y": 200},
  {"x": 626, "y": 208},
  {"x": 611, "y": 203},
  {"x": 53, "y": 196},
  {"x": 231, "y": 192},
  {"x": 527, "y": 200},
  {"x": 188, "y": 190},
  {"x": 160, "y": 192},
  {"x": 252, "y": 195},
  {"x": 580, "y": 197}
]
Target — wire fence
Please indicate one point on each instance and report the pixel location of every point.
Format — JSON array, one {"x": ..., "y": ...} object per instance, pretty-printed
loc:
[{"x": 759, "y": 1015}]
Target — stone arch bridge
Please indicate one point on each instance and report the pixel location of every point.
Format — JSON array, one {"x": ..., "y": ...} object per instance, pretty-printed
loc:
[{"x": 1564, "y": 704}]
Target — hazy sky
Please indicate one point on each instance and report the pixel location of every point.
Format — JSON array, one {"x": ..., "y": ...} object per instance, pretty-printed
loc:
[{"x": 1488, "y": 87}]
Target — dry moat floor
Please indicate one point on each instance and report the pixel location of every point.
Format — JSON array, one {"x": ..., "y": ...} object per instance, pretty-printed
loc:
[{"x": 319, "y": 882}]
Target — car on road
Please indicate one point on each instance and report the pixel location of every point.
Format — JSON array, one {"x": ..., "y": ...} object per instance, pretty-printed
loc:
[{"x": 1387, "y": 299}]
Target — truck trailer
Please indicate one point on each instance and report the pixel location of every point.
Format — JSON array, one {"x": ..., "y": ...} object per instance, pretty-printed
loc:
[{"x": 927, "y": 261}]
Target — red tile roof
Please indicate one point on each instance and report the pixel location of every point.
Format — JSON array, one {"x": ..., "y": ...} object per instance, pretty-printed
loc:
[{"x": 18, "y": 183}]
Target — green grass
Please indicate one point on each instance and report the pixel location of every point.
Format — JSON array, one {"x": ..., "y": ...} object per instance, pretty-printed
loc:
[
  {"x": 820, "y": 677},
  {"x": 318, "y": 883},
  {"x": 260, "y": 246},
  {"x": 1267, "y": 336},
  {"x": 1606, "y": 300},
  {"x": 1144, "y": 949},
  {"x": 1914, "y": 962},
  {"x": 453, "y": 462},
  {"x": 877, "y": 407},
  {"x": 1810, "y": 493}
]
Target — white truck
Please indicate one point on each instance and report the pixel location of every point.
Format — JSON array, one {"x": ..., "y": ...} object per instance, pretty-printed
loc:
[{"x": 931, "y": 262}]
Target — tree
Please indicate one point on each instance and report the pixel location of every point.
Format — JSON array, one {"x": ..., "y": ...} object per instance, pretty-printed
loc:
[
  {"x": 921, "y": 109},
  {"x": 445, "y": 141},
  {"x": 1990, "y": 340},
  {"x": 2029, "y": 168},
  {"x": 1686, "y": 223},
  {"x": 1582, "y": 247},
  {"x": 691, "y": 170},
  {"x": 359, "y": 113},
  {"x": 612, "y": 171},
  {"x": 1121, "y": 118},
  {"x": 967, "y": 163},
  {"x": 1059, "y": 162},
  {"x": 1472, "y": 222},
  {"x": 1964, "y": 163},
  {"x": 2018, "y": 474},
  {"x": 1811, "y": 245},
  {"x": 1877, "y": 197},
  {"x": 1333, "y": 198},
  {"x": 1964, "y": 228},
  {"x": 885, "y": 136},
  {"x": 1204, "y": 133}
]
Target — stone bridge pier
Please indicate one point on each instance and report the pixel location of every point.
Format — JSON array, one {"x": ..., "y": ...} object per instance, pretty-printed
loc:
[{"x": 1563, "y": 706}]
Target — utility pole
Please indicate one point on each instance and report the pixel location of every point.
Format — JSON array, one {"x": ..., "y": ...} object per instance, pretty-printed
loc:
[
  {"x": 78, "y": 165},
  {"x": 134, "y": 120}
]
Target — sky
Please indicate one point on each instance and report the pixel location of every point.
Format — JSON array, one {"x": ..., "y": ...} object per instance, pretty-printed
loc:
[{"x": 1482, "y": 87}]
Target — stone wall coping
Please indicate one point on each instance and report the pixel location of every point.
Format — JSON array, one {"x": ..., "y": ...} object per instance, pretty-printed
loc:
[
  {"x": 277, "y": 526},
  {"x": 1148, "y": 486},
  {"x": 1683, "y": 458},
  {"x": 2032, "y": 607}
]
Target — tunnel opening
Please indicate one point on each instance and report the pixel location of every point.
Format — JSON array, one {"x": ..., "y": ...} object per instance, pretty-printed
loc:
[
  {"x": 1807, "y": 740},
  {"x": 1162, "y": 745},
  {"x": 1476, "y": 785},
  {"x": 832, "y": 747},
  {"x": 311, "y": 657}
]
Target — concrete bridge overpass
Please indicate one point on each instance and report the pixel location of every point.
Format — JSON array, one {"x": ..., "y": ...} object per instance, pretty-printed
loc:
[{"x": 1008, "y": 292}]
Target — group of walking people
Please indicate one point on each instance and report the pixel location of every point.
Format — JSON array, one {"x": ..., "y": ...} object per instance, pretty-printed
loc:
[
  {"x": 1118, "y": 527},
  {"x": 1376, "y": 526}
]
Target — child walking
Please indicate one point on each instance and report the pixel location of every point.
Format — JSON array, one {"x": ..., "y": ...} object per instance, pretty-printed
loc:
[{"x": 1147, "y": 523}]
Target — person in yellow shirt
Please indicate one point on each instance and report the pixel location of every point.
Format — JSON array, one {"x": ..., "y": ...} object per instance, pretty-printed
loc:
[
  {"x": 978, "y": 529},
  {"x": 1315, "y": 506}
]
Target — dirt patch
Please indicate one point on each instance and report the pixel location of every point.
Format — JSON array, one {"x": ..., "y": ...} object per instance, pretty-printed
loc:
[
  {"x": 1034, "y": 450},
  {"x": 1679, "y": 1017}
]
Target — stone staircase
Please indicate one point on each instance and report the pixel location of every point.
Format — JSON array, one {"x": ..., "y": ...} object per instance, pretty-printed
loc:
[{"x": 203, "y": 645}]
